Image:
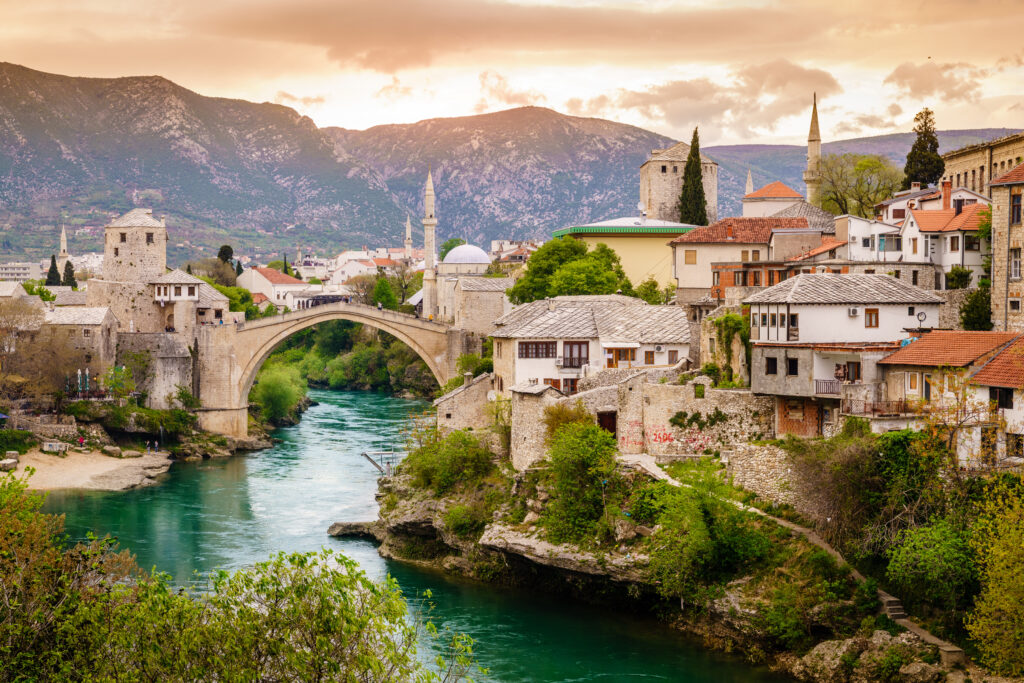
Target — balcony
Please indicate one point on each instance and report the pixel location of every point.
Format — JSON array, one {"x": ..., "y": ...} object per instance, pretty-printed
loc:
[
  {"x": 827, "y": 387},
  {"x": 879, "y": 408},
  {"x": 574, "y": 363}
]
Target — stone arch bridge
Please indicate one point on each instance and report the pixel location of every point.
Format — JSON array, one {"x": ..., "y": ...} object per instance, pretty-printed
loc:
[{"x": 229, "y": 356}]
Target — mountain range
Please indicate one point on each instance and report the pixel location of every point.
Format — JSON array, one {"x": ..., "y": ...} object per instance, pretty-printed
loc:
[{"x": 266, "y": 179}]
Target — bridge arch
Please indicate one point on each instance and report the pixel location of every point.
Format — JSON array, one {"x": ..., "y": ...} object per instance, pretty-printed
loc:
[{"x": 273, "y": 331}]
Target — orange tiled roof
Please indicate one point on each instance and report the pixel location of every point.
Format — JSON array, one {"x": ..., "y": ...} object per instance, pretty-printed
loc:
[
  {"x": 383, "y": 262},
  {"x": 259, "y": 297},
  {"x": 1005, "y": 369},
  {"x": 740, "y": 230},
  {"x": 826, "y": 245},
  {"x": 969, "y": 218},
  {"x": 775, "y": 190},
  {"x": 276, "y": 277},
  {"x": 1012, "y": 177},
  {"x": 954, "y": 348},
  {"x": 947, "y": 220}
]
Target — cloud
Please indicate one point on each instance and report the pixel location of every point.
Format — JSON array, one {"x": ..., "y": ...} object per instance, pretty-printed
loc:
[
  {"x": 283, "y": 97},
  {"x": 494, "y": 88},
  {"x": 394, "y": 90},
  {"x": 895, "y": 109},
  {"x": 757, "y": 96},
  {"x": 857, "y": 123},
  {"x": 594, "y": 106},
  {"x": 950, "y": 82}
]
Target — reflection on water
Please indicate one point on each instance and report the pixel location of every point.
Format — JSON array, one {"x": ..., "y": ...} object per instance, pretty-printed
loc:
[{"x": 235, "y": 512}]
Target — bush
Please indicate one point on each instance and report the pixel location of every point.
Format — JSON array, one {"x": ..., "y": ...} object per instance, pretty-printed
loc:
[
  {"x": 713, "y": 371},
  {"x": 582, "y": 473},
  {"x": 648, "y": 502},
  {"x": 16, "y": 440},
  {"x": 958, "y": 277},
  {"x": 442, "y": 464},
  {"x": 278, "y": 390},
  {"x": 465, "y": 520},
  {"x": 933, "y": 564},
  {"x": 557, "y": 415}
]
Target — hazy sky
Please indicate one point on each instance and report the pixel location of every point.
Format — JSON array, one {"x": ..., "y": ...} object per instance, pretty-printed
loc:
[{"x": 743, "y": 70}]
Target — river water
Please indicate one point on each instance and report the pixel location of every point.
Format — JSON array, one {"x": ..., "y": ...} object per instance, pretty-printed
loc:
[{"x": 234, "y": 512}]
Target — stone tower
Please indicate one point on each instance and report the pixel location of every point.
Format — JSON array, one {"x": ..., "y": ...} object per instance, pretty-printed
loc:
[
  {"x": 661, "y": 183},
  {"x": 408, "y": 239},
  {"x": 429, "y": 274},
  {"x": 812, "y": 176},
  {"x": 750, "y": 183},
  {"x": 64, "y": 255},
  {"x": 135, "y": 248}
]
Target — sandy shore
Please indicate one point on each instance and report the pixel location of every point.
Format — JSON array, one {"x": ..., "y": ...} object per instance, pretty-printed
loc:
[{"x": 92, "y": 470}]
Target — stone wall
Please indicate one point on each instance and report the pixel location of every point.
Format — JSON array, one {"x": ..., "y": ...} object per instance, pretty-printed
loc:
[
  {"x": 170, "y": 365},
  {"x": 528, "y": 430},
  {"x": 768, "y": 472},
  {"x": 660, "y": 192},
  {"x": 949, "y": 309},
  {"x": 977, "y": 165},
  {"x": 131, "y": 303},
  {"x": 134, "y": 254},
  {"x": 476, "y": 311},
  {"x": 46, "y": 426},
  {"x": 710, "y": 351},
  {"x": 466, "y": 407}
]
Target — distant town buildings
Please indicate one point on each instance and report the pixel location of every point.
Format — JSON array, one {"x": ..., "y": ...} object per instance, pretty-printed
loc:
[{"x": 974, "y": 167}]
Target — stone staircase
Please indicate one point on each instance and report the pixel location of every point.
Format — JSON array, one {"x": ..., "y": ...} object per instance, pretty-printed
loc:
[{"x": 892, "y": 607}]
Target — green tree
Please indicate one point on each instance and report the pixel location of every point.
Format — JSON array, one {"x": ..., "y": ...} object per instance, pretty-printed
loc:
[
  {"x": 958, "y": 277},
  {"x": 693, "y": 208},
  {"x": 924, "y": 164},
  {"x": 188, "y": 268},
  {"x": 118, "y": 381},
  {"x": 448, "y": 245},
  {"x": 238, "y": 268},
  {"x": 69, "y": 276},
  {"x": 583, "y": 475},
  {"x": 976, "y": 310},
  {"x": 585, "y": 276},
  {"x": 225, "y": 253},
  {"x": 279, "y": 388},
  {"x": 32, "y": 287},
  {"x": 53, "y": 275},
  {"x": 384, "y": 295},
  {"x": 933, "y": 564},
  {"x": 536, "y": 282},
  {"x": 854, "y": 183},
  {"x": 649, "y": 291},
  {"x": 997, "y": 622},
  {"x": 607, "y": 257}
]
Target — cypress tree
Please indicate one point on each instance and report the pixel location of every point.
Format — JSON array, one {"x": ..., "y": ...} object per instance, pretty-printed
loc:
[
  {"x": 693, "y": 208},
  {"x": 924, "y": 165},
  {"x": 69, "y": 275},
  {"x": 238, "y": 267},
  {"x": 188, "y": 268},
  {"x": 284, "y": 268},
  {"x": 53, "y": 275}
]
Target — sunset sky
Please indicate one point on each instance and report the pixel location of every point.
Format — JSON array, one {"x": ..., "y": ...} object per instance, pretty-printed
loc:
[{"x": 743, "y": 70}]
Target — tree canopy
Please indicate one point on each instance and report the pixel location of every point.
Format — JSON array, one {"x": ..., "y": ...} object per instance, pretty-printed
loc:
[
  {"x": 924, "y": 164},
  {"x": 693, "y": 208},
  {"x": 854, "y": 183},
  {"x": 384, "y": 295},
  {"x": 53, "y": 274},
  {"x": 225, "y": 253},
  {"x": 543, "y": 277},
  {"x": 448, "y": 245},
  {"x": 69, "y": 276}
]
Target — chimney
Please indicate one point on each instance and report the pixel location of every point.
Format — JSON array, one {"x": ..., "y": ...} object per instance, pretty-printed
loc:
[
  {"x": 947, "y": 191},
  {"x": 728, "y": 231},
  {"x": 915, "y": 187},
  {"x": 551, "y": 304},
  {"x": 467, "y": 378}
]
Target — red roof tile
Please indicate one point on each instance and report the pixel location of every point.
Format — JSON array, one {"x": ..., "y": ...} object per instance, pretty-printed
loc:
[
  {"x": 276, "y": 277},
  {"x": 953, "y": 348},
  {"x": 259, "y": 297},
  {"x": 1006, "y": 369},
  {"x": 826, "y": 245},
  {"x": 1012, "y": 177},
  {"x": 947, "y": 220},
  {"x": 383, "y": 262},
  {"x": 740, "y": 230},
  {"x": 775, "y": 190}
]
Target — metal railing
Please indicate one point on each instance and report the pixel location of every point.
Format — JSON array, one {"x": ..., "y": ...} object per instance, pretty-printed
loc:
[
  {"x": 574, "y": 362},
  {"x": 852, "y": 406},
  {"x": 828, "y": 387}
]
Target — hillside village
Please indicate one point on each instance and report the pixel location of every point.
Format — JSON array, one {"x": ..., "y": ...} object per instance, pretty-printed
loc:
[{"x": 680, "y": 339}]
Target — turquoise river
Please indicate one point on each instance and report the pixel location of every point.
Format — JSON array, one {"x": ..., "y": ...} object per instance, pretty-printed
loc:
[{"x": 234, "y": 512}]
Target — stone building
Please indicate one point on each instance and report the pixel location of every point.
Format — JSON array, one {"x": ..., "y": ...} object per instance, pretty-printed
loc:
[
  {"x": 1007, "y": 245},
  {"x": 973, "y": 167},
  {"x": 661, "y": 182},
  {"x": 89, "y": 331}
]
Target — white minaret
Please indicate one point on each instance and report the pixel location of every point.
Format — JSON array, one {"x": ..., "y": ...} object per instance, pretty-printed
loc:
[
  {"x": 429, "y": 276},
  {"x": 812, "y": 176},
  {"x": 750, "y": 183},
  {"x": 63, "y": 256},
  {"x": 408, "y": 239}
]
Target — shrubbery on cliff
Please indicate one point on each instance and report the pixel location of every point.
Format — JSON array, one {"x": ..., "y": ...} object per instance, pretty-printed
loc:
[
  {"x": 443, "y": 463},
  {"x": 277, "y": 392}
]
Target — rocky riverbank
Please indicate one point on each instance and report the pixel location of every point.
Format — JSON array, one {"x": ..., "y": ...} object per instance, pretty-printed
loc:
[
  {"x": 93, "y": 470},
  {"x": 510, "y": 548}
]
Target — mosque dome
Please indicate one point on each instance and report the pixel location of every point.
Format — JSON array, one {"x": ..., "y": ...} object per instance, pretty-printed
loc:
[{"x": 467, "y": 253}]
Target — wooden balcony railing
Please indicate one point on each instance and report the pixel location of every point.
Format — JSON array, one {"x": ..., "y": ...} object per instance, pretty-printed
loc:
[{"x": 827, "y": 387}]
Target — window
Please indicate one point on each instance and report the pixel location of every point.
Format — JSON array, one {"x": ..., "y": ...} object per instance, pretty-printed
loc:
[
  {"x": 690, "y": 257},
  {"x": 744, "y": 255},
  {"x": 764, "y": 320},
  {"x": 149, "y": 238},
  {"x": 546, "y": 349},
  {"x": 782, "y": 319},
  {"x": 954, "y": 243},
  {"x": 910, "y": 310},
  {"x": 553, "y": 383},
  {"x": 772, "y": 320},
  {"x": 88, "y": 358},
  {"x": 899, "y": 213},
  {"x": 794, "y": 410},
  {"x": 1015, "y": 264},
  {"x": 792, "y": 367},
  {"x": 575, "y": 354},
  {"x": 664, "y": 169},
  {"x": 1015, "y": 208},
  {"x": 570, "y": 385},
  {"x": 177, "y": 290},
  {"x": 913, "y": 276},
  {"x": 1014, "y": 305},
  {"x": 866, "y": 242},
  {"x": 755, "y": 278},
  {"x": 853, "y": 371},
  {"x": 673, "y": 357},
  {"x": 497, "y": 349},
  {"x": 912, "y": 382},
  {"x": 793, "y": 320},
  {"x": 869, "y": 271},
  {"x": 1002, "y": 397},
  {"x": 191, "y": 290},
  {"x": 86, "y": 332},
  {"x": 755, "y": 255},
  {"x": 771, "y": 366},
  {"x": 716, "y": 278},
  {"x": 116, "y": 251},
  {"x": 648, "y": 357},
  {"x": 675, "y": 169},
  {"x": 218, "y": 314},
  {"x": 124, "y": 237},
  {"x": 913, "y": 246},
  {"x": 972, "y": 243},
  {"x": 870, "y": 317},
  {"x": 896, "y": 274}
]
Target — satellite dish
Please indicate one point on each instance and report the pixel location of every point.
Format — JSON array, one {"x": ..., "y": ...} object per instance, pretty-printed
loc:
[
  {"x": 640, "y": 207},
  {"x": 921, "y": 316}
]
